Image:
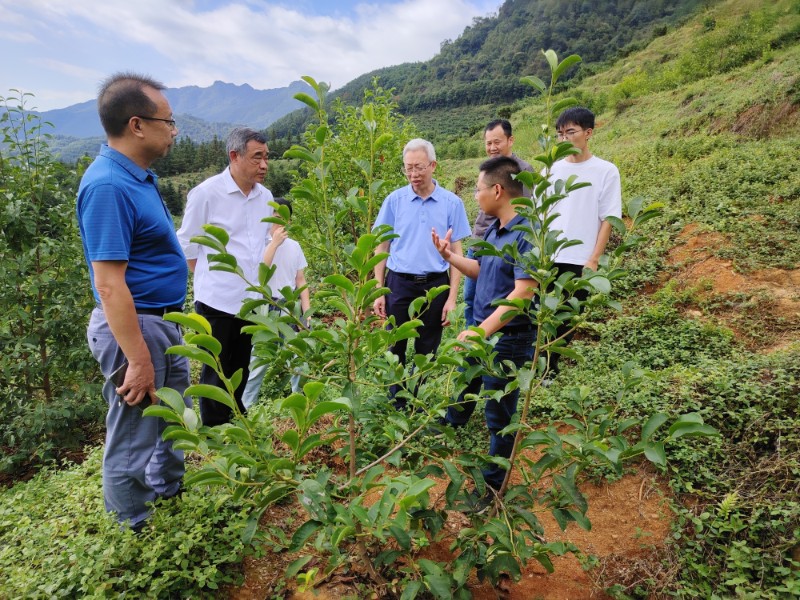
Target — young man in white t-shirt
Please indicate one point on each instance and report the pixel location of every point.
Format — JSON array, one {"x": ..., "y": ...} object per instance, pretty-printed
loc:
[
  {"x": 287, "y": 256},
  {"x": 583, "y": 214}
]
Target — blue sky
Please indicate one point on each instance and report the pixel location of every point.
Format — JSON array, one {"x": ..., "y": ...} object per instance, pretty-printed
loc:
[{"x": 60, "y": 50}]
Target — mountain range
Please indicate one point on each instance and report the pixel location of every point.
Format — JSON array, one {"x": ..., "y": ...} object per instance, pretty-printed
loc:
[
  {"x": 471, "y": 80},
  {"x": 222, "y": 103}
]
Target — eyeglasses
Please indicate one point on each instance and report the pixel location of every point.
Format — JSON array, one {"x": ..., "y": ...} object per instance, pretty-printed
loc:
[
  {"x": 568, "y": 132},
  {"x": 170, "y": 122},
  {"x": 411, "y": 169},
  {"x": 477, "y": 189}
]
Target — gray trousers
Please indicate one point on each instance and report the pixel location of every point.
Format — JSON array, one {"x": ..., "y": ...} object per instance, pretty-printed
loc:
[{"x": 138, "y": 465}]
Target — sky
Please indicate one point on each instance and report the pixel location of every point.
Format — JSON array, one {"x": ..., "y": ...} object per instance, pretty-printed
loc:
[{"x": 60, "y": 50}]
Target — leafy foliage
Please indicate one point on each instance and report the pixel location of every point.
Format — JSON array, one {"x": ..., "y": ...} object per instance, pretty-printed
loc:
[
  {"x": 57, "y": 541},
  {"x": 346, "y": 172},
  {"x": 45, "y": 377}
]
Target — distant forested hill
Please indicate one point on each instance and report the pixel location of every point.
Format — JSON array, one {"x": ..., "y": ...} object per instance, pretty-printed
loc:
[{"x": 481, "y": 69}]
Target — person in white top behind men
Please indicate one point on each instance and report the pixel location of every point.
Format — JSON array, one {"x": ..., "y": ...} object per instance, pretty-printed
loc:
[
  {"x": 236, "y": 201},
  {"x": 286, "y": 255},
  {"x": 583, "y": 214}
]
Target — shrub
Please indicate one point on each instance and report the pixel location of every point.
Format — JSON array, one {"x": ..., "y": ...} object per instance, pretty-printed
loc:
[
  {"x": 45, "y": 299},
  {"x": 57, "y": 541}
]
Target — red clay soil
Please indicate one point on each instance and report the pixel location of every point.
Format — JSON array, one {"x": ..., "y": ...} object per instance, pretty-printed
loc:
[
  {"x": 629, "y": 517},
  {"x": 776, "y": 292}
]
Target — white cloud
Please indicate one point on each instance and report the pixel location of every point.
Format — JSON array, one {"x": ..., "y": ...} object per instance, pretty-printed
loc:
[{"x": 241, "y": 41}]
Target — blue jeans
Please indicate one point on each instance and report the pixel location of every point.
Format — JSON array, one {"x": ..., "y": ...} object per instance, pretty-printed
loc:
[
  {"x": 516, "y": 347},
  {"x": 138, "y": 465},
  {"x": 469, "y": 294},
  {"x": 252, "y": 388}
]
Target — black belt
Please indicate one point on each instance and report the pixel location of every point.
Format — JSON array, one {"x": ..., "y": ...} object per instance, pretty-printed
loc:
[
  {"x": 518, "y": 328},
  {"x": 424, "y": 278},
  {"x": 159, "y": 312}
]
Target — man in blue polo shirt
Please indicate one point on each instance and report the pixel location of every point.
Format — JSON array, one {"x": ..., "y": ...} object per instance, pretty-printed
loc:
[
  {"x": 138, "y": 273},
  {"x": 414, "y": 267},
  {"x": 496, "y": 277}
]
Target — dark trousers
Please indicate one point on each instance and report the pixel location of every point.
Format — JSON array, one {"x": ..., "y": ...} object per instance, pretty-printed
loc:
[
  {"x": 516, "y": 347},
  {"x": 403, "y": 293},
  {"x": 581, "y": 295},
  {"x": 235, "y": 355}
]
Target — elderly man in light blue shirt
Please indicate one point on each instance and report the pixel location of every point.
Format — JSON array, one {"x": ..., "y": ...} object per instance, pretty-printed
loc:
[{"x": 414, "y": 266}]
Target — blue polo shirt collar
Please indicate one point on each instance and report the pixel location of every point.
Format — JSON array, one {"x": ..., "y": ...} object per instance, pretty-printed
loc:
[
  {"x": 508, "y": 226},
  {"x": 436, "y": 189},
  {"x": 127, "y": 164}
]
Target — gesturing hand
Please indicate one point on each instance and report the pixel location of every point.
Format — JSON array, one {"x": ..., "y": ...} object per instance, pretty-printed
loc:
[{"x": 442, "y": 244}]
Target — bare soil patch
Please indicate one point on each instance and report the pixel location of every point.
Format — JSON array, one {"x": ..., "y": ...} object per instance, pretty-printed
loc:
[
  {"x": 762, "y": 307},
  {"x": 630, "y": 521}
]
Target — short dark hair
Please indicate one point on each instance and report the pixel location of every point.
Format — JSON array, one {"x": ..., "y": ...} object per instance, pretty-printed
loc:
[
  {"x": 504, "y": 123},
  {"x": 577, "y": 115},
  {"x": 499, "y": 169},
  {"x": 123, "y": 96},
  {"x": 239, "y": 137},
  {"x": 283, "y": 202}
]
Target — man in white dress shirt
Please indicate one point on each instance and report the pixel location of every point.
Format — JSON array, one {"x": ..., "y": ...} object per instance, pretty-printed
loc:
[{"x": 236, "y": 201}]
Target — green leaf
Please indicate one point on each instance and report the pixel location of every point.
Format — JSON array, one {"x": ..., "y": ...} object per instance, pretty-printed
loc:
[
  {"x": 323, "y": 408},
  {"x": 402, "y": 537},
  {"x": 565, "y": 64},
  {"x": 655, "y": 453},
  {"x": 601, "y": 284},
  {"x": 535, "y": 83},
  {"x": 217, "y": 232},
  {"x": 305, "y": 531},
  {"x": 435, "y": 578},
  {"x": 208, "y": 342},
  {"x": 294, "y": 568},
  {"x": 420, "y": 486},
  {"x": 307, "y": 100},
  {"x": 552, "y": 59},
  {"x": 193, "y": 353},
  {"x": 191, "y": 321},
  {"x": 162, "y": 412},
  {"x": 340, "y": 281},
  {"x": 654, "y": 422},
  {"x": 559, "y": 106},
  {"x": 684, "y": 429},
  {"x": 172, "y": 399},
  {"x": 412, "y": 590},
  {"x": 211, "y": 391},
  {"x": 292, "y": 439}
]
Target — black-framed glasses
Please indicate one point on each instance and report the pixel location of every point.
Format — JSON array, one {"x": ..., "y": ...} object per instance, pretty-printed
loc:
[{"x": 170, "y": 122}]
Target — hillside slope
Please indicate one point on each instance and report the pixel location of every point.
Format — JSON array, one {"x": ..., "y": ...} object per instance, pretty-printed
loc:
[{"x": 476, "y": 74}]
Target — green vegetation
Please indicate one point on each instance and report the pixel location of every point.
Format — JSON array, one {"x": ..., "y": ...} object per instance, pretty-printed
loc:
[
  {"x": 716, "y": 146},
  {"x": 46, "y": 389},
  {"x": 478, "y": 73},
  {"x": 56, "y": 541}
]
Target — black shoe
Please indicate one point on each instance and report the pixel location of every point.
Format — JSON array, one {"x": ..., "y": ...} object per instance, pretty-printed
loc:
[
  {"x": 177, "y": 493},
  {"x": 138, "y": 529}
]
